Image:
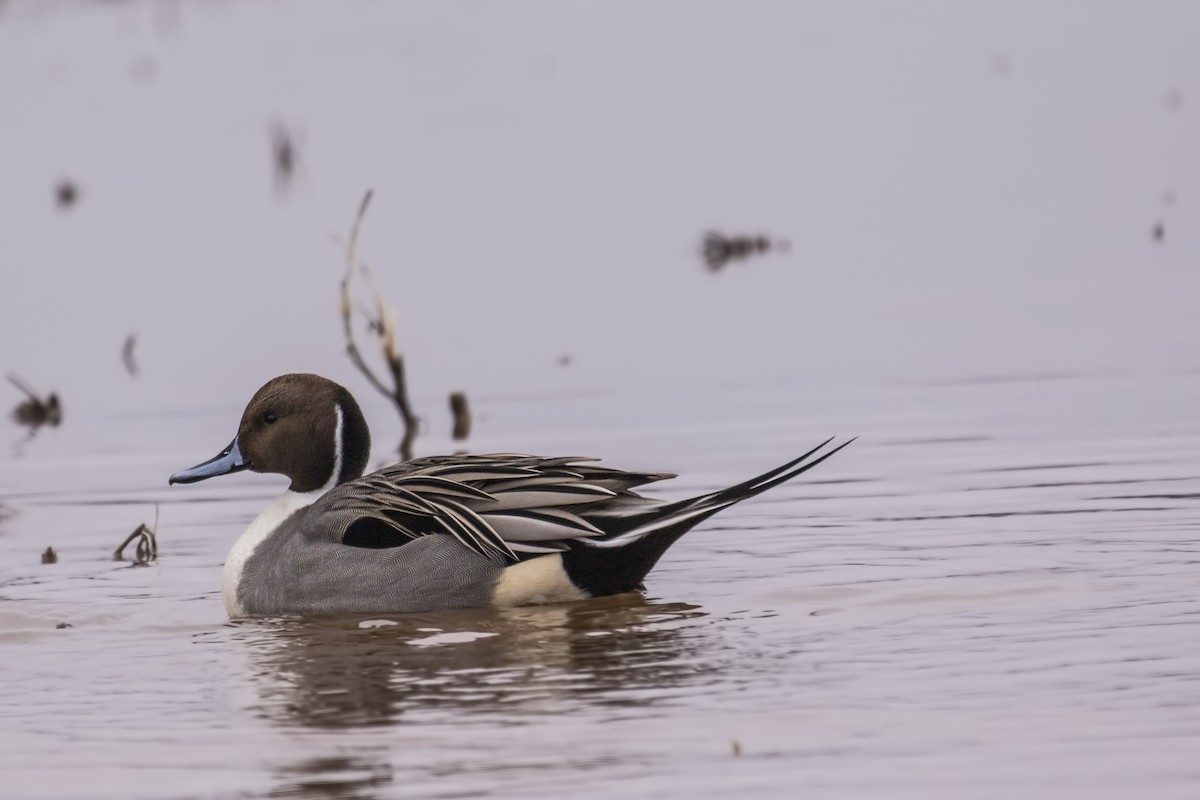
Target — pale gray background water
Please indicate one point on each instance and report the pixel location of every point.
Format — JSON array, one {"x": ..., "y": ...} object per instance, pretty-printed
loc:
[{"x": 990, "y": 594}]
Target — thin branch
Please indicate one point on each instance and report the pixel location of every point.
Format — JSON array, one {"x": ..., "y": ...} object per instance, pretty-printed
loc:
[
  {"x": 383, "y": 324},
  {"x": 23, "y": 386}
]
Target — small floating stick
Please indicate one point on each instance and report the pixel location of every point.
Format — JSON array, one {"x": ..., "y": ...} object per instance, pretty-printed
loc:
[
  {"x": 462, "y": 416},
  {"x": 147, "y": 543}
]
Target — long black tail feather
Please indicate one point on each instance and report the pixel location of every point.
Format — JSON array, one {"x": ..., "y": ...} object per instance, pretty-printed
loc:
[{"x": 619, "y": 563}]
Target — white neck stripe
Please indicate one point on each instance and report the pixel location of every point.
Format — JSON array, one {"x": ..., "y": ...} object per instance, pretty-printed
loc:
[{"x": 338, "y": 456}]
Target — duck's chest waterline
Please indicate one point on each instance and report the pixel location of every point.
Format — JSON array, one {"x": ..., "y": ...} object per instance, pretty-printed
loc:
[{"x": 262, "y": 527}]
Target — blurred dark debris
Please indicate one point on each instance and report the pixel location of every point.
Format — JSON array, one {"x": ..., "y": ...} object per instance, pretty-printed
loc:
[
  {"x": 146, "y": 549},
  {"x": 49, "y": 556},
  {"x": 63, "y": 626},
  {"x": 1173, "y": 100},
  {"x": 285, "y": 155},
  {"x": 131, "y": 365},
  {"x": 66, "y": 194},
  {"x": 1159, "y": 232},
  {"x": 462, "y": 416},
  {"x": 565, "y": 360},
  {"x": 736, "y": 748},
  {"x": 718, "y": 249},
  {"x": 34, "y": 411}
]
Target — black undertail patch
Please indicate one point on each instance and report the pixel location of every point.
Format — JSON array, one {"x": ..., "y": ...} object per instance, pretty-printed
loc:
[{"x": 603, "y": 571}]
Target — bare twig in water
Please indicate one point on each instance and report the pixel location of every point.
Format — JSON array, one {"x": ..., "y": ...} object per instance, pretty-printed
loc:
[
  {"x": 49, "y": 556},
  {"x": 35, "y": 411},
  {"x": 147, "y": 544},
  {"x": 462, "y": 416},
  {"x": 381, "y": 322},
  {"x": 131, "y": 365},
  {"x": 718, "y": 249}
]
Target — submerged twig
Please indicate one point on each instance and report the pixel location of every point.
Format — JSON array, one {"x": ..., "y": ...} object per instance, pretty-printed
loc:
[
  {"x": 383, "y": 324},
  {"x": 147, "y": 544}
]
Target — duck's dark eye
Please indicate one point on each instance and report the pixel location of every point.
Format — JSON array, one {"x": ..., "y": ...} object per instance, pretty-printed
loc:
[{"x": 269, "y": 419}]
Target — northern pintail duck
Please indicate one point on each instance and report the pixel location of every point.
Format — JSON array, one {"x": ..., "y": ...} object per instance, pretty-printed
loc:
[{"x": 462, "y": 531}]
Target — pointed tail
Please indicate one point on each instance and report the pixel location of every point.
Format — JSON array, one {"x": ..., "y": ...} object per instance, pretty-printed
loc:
[{"x": 619, "y": 563}]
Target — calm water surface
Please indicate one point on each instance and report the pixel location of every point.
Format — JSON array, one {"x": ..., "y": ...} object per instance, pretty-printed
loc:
[
  {"x": 991, "y": 279},
  {"x": 992, "y": 593}
]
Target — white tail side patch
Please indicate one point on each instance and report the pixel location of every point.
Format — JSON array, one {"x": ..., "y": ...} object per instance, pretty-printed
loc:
[
  {"x": 656, "y": 525},
  {"x": 534, "y": 582}
]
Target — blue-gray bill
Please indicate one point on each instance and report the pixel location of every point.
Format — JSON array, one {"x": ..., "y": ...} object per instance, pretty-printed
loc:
[{"x": 228, "y": 460}]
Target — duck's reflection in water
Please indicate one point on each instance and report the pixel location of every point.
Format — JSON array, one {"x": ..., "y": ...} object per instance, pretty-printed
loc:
[
  {"x": 503, "y": 666},
  {"x": 341, "y": 777},
  {"x": 357, "y": 671}
]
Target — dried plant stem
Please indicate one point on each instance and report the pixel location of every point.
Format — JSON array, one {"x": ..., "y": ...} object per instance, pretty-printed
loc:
[
  {"x": 147, "y": 543},
  {"x": 383, "y": 324}
]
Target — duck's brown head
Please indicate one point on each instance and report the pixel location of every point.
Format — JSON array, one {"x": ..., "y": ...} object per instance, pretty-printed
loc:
[{"x": 303, "y": 426}]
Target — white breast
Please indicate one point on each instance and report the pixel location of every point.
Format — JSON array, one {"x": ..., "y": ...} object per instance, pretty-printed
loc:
[
  {"x": 267, "y": 522},
  {"x": 262, "y": 527}
]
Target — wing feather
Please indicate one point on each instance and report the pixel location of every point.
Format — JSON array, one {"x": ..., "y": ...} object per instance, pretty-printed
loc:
[
  {"x": 538, "y": 497},
  {"x": 530, "y": 526},
  {"x": 442, "y": 487},
  {"x": 503, "y": 506}
]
